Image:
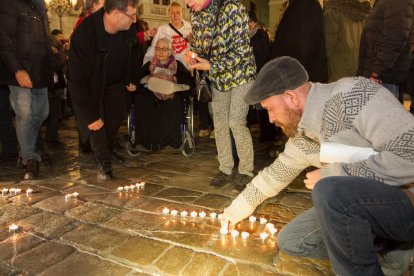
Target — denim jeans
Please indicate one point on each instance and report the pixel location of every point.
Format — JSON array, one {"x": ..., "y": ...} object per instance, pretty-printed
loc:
[
  {"x": 31, "y": 108},
  {"x": 353, "y": 219}
]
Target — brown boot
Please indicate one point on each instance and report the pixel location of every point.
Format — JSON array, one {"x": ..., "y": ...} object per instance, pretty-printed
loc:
[{"x": 32, "y": 170}]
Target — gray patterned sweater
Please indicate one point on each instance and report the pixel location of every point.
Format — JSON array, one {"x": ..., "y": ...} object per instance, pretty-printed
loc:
[{"x": 351, "y": 111}]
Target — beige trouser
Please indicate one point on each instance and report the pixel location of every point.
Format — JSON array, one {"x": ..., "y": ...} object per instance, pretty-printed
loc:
[{"x": 229, "y": 113}]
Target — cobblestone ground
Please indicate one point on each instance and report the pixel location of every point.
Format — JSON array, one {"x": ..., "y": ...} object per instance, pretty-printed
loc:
[{"x": 105, "y": 232}]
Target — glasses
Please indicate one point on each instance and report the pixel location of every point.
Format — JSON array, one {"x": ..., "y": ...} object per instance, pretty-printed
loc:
[
  {"x": 132, "y": 17},
  {"x": 162, "y": 50}
]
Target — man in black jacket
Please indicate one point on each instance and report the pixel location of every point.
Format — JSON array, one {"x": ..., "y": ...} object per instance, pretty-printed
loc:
[
  {"x": 385, "y": 49},
  {"x": 25, "y": 52},
  {"x": 103, "y": 64},
  {"x": 300, "y": 35}
]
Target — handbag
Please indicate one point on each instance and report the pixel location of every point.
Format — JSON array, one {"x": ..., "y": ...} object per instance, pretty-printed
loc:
[{"x": 203, "y": 86}]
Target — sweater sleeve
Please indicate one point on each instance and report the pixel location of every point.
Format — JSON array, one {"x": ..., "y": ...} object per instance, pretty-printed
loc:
[{"x": 273, "y": 179}]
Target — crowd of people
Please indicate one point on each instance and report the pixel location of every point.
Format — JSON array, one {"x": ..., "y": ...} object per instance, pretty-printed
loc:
[{"x": 330, "y": 78}]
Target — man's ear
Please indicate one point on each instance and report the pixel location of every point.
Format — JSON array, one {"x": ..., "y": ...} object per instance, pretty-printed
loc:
[{"x": 291, "y": 98}]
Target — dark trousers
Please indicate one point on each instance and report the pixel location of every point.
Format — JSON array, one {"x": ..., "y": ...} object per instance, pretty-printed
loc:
[
  {"x": 55, "y": 114},
  {"x": 8, "y": 137},
  {"x": 114, "y": 106},
  {"x": 204, "y": 116}
]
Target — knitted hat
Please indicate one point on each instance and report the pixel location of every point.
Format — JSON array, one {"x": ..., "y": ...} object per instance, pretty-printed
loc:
[{"x": 275, "y": 77}]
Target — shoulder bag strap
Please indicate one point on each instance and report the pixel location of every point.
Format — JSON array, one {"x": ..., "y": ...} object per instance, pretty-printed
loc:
[{"x": 178, "y": 32}]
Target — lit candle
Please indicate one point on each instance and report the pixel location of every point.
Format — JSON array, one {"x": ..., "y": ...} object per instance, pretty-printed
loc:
[
  {"x": 142, "y": 184},
  {"x": 68, "y": 196},
  {"x": 194, "y": 214},
  {"x": 12, "y": 190},
  {"x": 29, "y": 191},
  {"x": 202, "y": 214},
  {"x": 174, "y": 213},
  {"x": 245, "y": 235},
  {"x": 264, "y": 236},
  {"x": 137, "y": 185},
  {"x": 4, "y": 191},
  {"x": 220, "y": 216},
  {"x": 213, "y": 215},
  {"x": 17, "y": 191},
  {"x": 270, "y": 225},
  {"x": 120, "y": 189},
  {"x": 165, "y": 211},
  {"x": 252, "y": 219},
  {"x": 224, "y": 231},
  {"x": 126, "y": 188},
  {"x": 272, "y": 230},
  {"x": 75, "y": 194},
  {"x": 184, "y": 214},
  {"x": 193, "y": 55},
  {"x": 132, "y": 187},
  {"x": 234, "y": 233},
  {"x": 13, "y": 227},
  {"x": 263, "y": 221}
]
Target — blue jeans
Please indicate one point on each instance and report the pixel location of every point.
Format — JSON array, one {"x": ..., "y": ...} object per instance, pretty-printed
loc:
[
  {"x": 31, "y": 108},
  {"x": 353, "y": 219},
  {"x": 393, "y": 88}
]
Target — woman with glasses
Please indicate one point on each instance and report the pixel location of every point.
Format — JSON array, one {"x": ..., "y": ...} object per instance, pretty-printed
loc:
[{"x": 158, "y": 117}]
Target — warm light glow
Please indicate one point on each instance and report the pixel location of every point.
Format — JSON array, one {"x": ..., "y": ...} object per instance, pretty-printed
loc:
[
  {"x": 184, "y": 214},
  {"x": 264, "y": 236},
  {"x": 75, "y": 194},
  {"x": 120, "y": 189},
  {"x": 245, "y": 235},
  {"x": 213, "y": 215},
  {"x": 224, "y": 231},
  {"x": 252, "y": 219},
  {"x": 235, "y": 233},
  {"x": 263, "y": 221},
  {"x": 194, "y": 214},
  {"x": 165, "y": 211},
  {"x": 202, "y": 214},
  {"x": 174, "y": 213},
  {"x": 13, "y": 227}
]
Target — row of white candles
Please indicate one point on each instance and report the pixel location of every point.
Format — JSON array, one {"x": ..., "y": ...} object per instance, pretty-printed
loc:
[
  {"x": 224, "y": 231},
  {"x": 15, "y": 191},
  {"x": 132, "y": 187}
]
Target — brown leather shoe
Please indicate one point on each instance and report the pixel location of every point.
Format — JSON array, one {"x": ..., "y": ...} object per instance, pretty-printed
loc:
[{"x": 32, "y": 170}]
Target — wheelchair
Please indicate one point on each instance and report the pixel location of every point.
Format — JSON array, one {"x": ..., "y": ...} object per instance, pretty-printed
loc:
[{"x": 186, "y": 128}]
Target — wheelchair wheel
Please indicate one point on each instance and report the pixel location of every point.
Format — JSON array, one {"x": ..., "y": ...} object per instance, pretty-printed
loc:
[
  {"x": 131, "y": 150},
  {"x": 190, "y": 116},
  {"x": 188, "y": 147}
]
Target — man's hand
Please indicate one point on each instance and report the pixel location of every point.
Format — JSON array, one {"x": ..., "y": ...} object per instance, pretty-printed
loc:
[
  {"x": 131, "y": 87},
  {"x": 97, "y": 125},
  {"x": 311, "y": 178},
  {"x": 23, "y": 79},
  {"x": 226, "y": 223}
]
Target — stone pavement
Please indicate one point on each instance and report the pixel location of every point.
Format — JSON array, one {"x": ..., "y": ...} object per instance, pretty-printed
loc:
[{"x": 106, "y": 232}]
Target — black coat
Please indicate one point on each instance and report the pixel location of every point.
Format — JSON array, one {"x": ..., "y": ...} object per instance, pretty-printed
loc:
[
  {"x": 87, "y": 72},
  {"x": 262, "y": 48},
  {"x": 386, "y": 41},
  {"x": 300, "y": 35},
  {"x": 24, "y": 43}
]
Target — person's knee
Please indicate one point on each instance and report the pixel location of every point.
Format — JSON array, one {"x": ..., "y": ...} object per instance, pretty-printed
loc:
[{"x": 326, "y": 190}]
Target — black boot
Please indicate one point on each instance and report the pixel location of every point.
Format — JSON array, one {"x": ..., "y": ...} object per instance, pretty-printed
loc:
[
  {"x": 104, "y": 171},
  {"x": 32, "y": 170}
]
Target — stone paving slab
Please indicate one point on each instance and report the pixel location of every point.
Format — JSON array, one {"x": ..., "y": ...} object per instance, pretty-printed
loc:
[
  {"x": 42, "y": 257},
  {"x": 132, "y": 220},
  {"x": 174, "y": 260},
  {"x": 248, "y": 270},
  {"x": 140, "y": 251},
  {"x": 204, "y": 264},
  {"x": 179, "y": 195},
  {"x": 12, "y": 212},
  {"x": 86, "y": 265},
  {"x": 94, "y": 238},
  {"x": 48, "y": 224},
  {"x": 58, "y": 204},
  {"x": 93, "y": 213},
  {"x": 16, "y": 244},
  {"x": 213, "y": 201}
]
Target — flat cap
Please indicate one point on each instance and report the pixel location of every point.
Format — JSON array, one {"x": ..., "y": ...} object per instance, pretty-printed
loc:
[{"x": 275, "y": 77}]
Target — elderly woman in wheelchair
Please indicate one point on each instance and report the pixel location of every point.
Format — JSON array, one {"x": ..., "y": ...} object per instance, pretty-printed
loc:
[{"x": 160, "y": 105}]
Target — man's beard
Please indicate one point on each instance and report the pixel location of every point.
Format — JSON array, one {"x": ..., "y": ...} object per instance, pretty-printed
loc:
[{"x": 291, "y": 127}]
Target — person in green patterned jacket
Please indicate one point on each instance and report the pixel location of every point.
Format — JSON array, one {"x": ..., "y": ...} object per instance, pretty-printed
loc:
[{"x": 232, "y": 70}]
